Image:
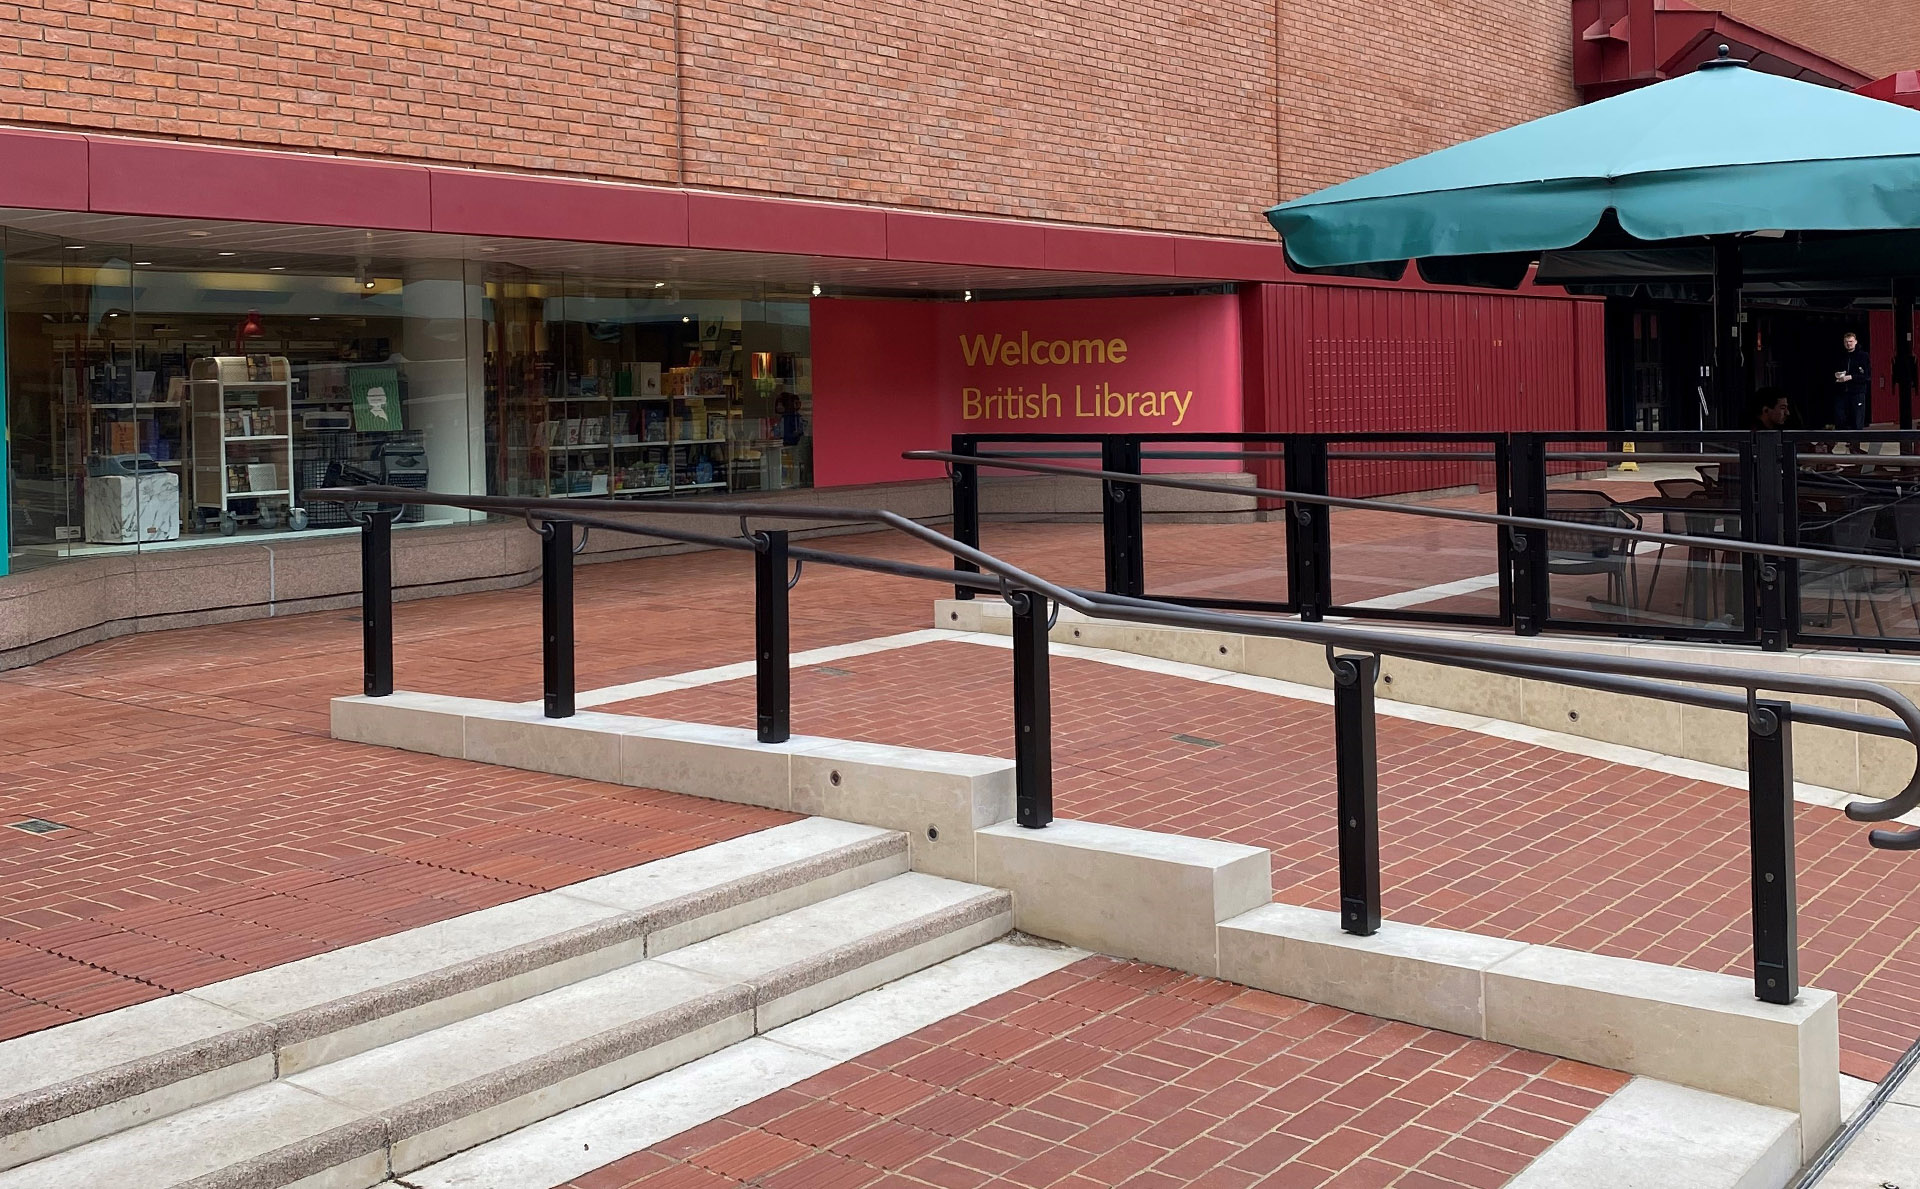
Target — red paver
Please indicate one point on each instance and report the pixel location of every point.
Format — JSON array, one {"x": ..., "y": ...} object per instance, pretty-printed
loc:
[
  {"x": 1225, "y": 1088},
  {"x": 1477, "y": 834},
  {"x": 218, "y": 829}
]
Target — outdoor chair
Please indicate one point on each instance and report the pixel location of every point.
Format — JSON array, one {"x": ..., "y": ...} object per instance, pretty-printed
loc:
[
  {"x": 1843, "y": 581},
  {"x": 1904, "y": 518},
  {"x": 1570, "y": 552},
  {"x": 1692, "y": 524}
]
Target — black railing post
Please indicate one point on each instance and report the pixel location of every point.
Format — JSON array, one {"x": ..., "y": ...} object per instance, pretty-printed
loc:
[
  {"x": 1765, "y": 576},
  {"x": 376, "y": 601},
  {"x": 773, "y": 675},
  {"x": 1121, "y": 518},
  {"x": 1776, "y": 956},
  {"x": 1357, "y": 792},
  {"x": 1032, "y": 712},
  {"x": 1309, "y": 532},
  {"x": 556, "y": 616},
  {"x": 966, "y": 508},
  {"x": 1526, "y": 547}
]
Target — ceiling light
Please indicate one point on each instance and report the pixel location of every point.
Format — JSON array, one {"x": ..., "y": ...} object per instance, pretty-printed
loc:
[
  {"x": 967, "y": 296},
  {"x": 659, "y": 284},
  {"x": 141, "y": 263},
  {"x": 315, "y": 318},
  {"x": 226, "y": 253},
  {"x": 199, "y": 234},
  {"x": 276, "y": 268},
  {"x": 76, "y": 247},
  {"x": 686, "y": 318},
  {"x": 367, "y": 284},
  {"x": 816, "y": 289}
]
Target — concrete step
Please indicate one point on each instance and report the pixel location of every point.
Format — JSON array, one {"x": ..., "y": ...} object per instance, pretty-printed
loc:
[
  {"x": 352, "y": 1122},
  {"x": 94, "y": 1077}
]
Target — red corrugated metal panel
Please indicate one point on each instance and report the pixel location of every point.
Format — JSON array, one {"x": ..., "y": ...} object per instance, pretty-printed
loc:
[{"x": 1340, "y": 359}]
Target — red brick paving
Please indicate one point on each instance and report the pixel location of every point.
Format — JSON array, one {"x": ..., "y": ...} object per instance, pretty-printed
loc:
[
  {"x": 218, "y": 829},
  {"x": 1110, "y": 1073},
  {"x": 1477, "y": 834}
]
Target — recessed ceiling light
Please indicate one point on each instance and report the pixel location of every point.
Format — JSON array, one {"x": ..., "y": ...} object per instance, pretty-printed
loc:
[
  {"x": 967, "y": 296},
  {"x": 199, "y": 234},
  {"x": 141, "y": 263},
  {"x": 276, "y": 268},
  {"x": 315, "y": 318},
  {"x": 76, "y": 247},
  {"x": 686, "y": 317},
  {"x": 659, "y": 284},
  {"x": 228, "y": 253},
  {"x": 816, "y": 290}
]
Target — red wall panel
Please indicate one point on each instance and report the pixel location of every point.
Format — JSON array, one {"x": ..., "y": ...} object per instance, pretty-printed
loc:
[{"x": 1338, "y": 359}]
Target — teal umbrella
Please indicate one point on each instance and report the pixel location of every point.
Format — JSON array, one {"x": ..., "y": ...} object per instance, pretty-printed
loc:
[{"x": 1722, "y": 151}]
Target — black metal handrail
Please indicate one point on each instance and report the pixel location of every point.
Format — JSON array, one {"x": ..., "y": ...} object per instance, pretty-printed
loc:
[
  {"x": 1769, "y": 722},
  {"x": 1534, "y": 523}
]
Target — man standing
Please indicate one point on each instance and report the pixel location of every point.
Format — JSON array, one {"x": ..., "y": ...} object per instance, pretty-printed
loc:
[{"x": 1851, "y": 391}]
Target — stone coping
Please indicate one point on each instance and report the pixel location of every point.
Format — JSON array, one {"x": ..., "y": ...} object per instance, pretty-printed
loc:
[{"x": 1193, "y": 904}]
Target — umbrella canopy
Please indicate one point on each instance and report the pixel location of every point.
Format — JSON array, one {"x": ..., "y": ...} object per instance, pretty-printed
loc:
[{"x": 1722, "y": 151}]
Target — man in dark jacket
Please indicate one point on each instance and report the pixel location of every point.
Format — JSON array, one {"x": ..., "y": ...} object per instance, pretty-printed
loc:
[{"x": 1851, "y": 392}]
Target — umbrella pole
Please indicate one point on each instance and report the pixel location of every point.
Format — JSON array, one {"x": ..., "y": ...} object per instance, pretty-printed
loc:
[{"x": 1729, "y": 364}]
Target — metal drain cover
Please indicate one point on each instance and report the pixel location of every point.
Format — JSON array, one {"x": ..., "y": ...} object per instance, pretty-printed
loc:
[
  {"x": 38, "y": 825},
  {"x": 1197, "y": 741}
]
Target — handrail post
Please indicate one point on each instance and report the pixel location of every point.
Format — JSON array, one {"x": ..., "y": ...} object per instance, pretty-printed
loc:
[
  {"x": 376, "y": 601},
  {"x": 1357, "y": 785},
  {"x": 556, "y": 617},
  {"x": 773, "y": 674},
  {"x": 1526, "y": 549},
  {"x": 1121, "y": 517},
  {"x": 1032, "y": 712},
  {"x": 966, "y": 508},
  {"x": 1764, "y": 575},
  {"x": 1309, "y": 530},
  {"x": 1776, "y": 955}
]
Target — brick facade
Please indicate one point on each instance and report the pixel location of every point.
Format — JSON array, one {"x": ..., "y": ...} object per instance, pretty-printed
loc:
[
  {"x": 1877, "y": 36},
  {"x": 1170, "y": 117},
  {"x": 1368, "y": 85}
]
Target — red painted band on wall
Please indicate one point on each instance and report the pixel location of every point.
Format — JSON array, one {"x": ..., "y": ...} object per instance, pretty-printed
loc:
[{"x": 891, "y": 376}]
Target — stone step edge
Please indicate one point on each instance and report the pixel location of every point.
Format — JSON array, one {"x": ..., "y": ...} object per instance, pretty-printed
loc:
[
  {"x": 317, "y": 1154},
  {"x": 76, "y": 1096},
  {"x": 538, "y": 1073}
]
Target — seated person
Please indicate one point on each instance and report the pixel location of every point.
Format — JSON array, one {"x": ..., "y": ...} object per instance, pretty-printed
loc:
[{"x": 1770, "y": 410}]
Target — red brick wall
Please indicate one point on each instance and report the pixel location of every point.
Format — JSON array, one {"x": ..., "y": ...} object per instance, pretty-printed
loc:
[
  {"x": 1875, "y": 36},
  {"x": 1101, "y": 111},
  {"x": 1370, "y": 84}
]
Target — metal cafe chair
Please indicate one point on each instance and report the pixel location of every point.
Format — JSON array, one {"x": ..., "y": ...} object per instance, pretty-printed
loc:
[
  {"x": 1694, "y": 524},
  {"x": 1844, "y": 581},
  {"x": 1571, "y": 552}
]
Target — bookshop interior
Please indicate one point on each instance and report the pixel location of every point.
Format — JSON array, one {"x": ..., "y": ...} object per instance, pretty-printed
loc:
[{"x": 187, "y": 389}]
